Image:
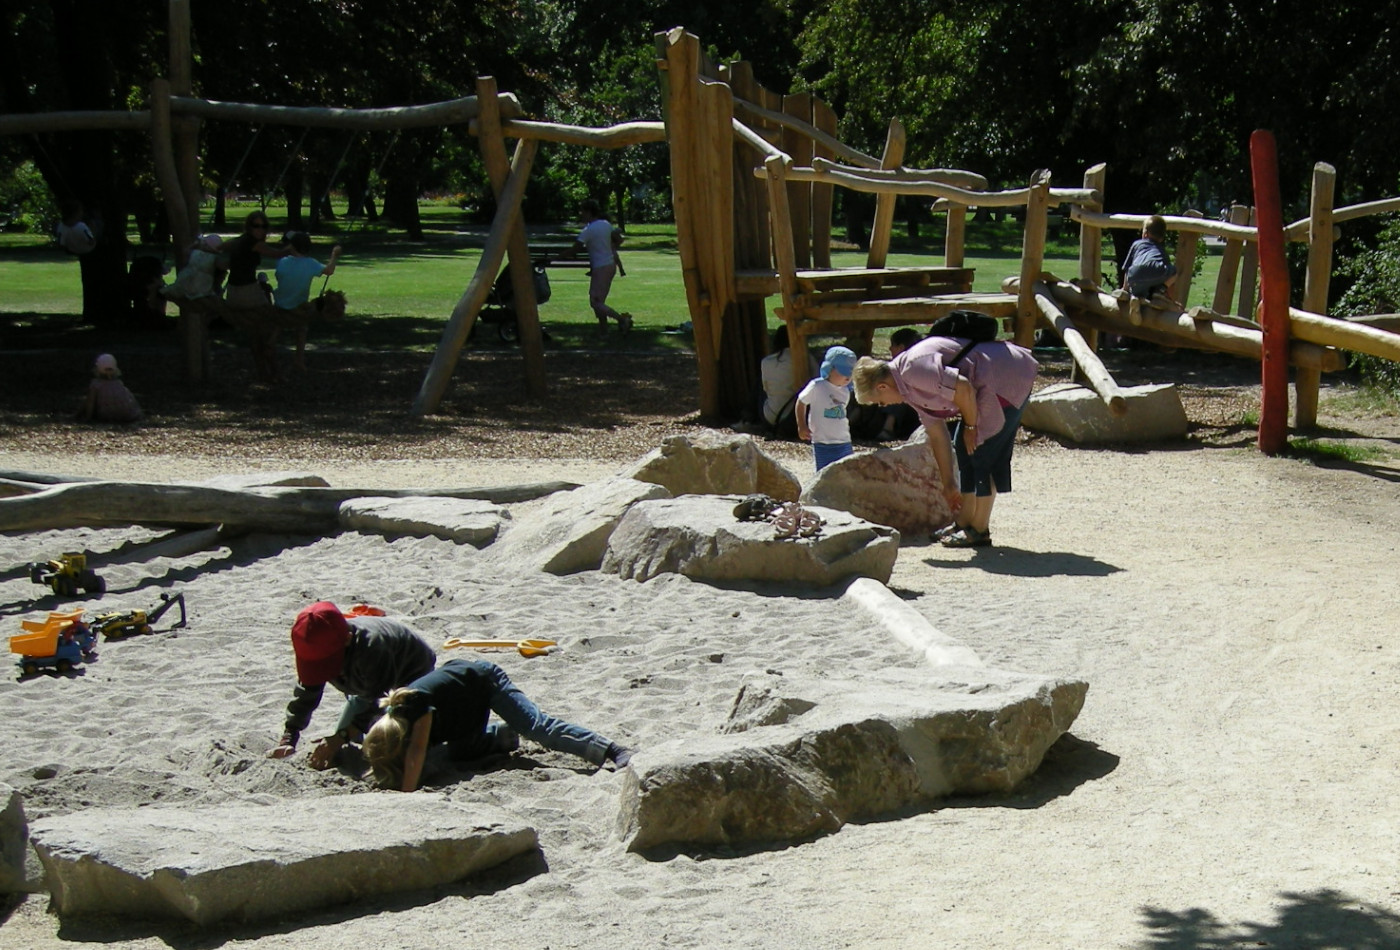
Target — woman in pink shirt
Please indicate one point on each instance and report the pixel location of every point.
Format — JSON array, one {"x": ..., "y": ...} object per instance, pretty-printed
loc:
[{"x": 986, "y": 386}]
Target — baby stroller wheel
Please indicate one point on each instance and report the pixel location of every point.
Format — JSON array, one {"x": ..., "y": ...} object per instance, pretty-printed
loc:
[{"x": 508, "y": 330}]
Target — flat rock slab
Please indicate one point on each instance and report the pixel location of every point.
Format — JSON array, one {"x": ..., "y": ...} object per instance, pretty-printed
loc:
[
  {"x": 715, "y": 464},
  {"x": 700, "y": 537},
  {"x": 804, "y": 759},
  {"x": 569, "y": 531},
  {"x": 14, "y": 841},
  {"x": 249, "y": 862},
  {"x": 898, "y": 487},
  {"x": 464, "y": 520},
  {"x": 1155, "y": 414}
]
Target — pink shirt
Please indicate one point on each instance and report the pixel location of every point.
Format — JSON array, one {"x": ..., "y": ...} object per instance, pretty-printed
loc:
[{"x": 1000, "y": 373}]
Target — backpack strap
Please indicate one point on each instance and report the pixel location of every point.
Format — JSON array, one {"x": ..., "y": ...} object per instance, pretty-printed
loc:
[{"x": 963, "y": 352}]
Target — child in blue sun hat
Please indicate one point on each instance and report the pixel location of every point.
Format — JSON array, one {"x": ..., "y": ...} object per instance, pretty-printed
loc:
[{"x": 821, "y": 408}]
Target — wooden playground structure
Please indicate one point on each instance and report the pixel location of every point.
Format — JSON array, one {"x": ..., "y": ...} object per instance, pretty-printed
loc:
[
  {"x": 753, "y": 179},
  {"x": 753, "y": 173}
]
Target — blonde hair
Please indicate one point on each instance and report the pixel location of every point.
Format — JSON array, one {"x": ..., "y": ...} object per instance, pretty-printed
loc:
[
  {"x": 385, "y": 741},
  {"x": 869, "y": 373}
]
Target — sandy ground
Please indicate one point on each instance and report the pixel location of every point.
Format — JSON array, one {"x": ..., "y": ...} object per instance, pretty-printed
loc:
[{"x": 1232, "y": 781}]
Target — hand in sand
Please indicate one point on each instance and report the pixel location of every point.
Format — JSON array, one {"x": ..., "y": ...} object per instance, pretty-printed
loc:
[
  {"x": 282, "y": 751},
  {"x": 324, "y": 753}
]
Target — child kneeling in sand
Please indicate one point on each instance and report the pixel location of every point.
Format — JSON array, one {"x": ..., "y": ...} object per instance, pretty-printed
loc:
[{"x": 452, "y": 705}]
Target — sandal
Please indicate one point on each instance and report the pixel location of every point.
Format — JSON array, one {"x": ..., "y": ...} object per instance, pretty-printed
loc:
[
  {"x": 947, "y": 531},
  {"x": 969, "y": 537}
]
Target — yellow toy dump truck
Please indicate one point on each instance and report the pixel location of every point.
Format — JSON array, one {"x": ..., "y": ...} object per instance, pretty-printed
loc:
[
  {"x": 66, "y": 574},
  {"x": 61, "y": 641}
]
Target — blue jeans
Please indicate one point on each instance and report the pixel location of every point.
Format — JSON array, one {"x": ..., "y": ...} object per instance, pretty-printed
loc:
[
  {"x": 515, "y": 708},
  {"x": 827, "y": 452}
]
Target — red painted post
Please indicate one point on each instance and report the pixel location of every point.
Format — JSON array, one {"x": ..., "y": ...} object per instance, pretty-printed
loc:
[{"x": 1273, "y": 293}]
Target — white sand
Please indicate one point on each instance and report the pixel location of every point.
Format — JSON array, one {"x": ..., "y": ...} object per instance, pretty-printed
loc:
[{"x": 1232, "y": 780}]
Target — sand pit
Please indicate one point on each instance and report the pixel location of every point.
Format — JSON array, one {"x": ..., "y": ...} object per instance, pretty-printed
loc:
[{"x": 1230, "y": 781}]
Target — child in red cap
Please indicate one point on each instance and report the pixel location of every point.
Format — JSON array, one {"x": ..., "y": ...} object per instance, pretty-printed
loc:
[{"x": 362, "y": 656}]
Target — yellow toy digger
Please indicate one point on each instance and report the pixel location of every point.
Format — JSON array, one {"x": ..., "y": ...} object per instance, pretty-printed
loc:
[
  {"x": 127, "y": 623},
  {"x": 66, "y": 574}
]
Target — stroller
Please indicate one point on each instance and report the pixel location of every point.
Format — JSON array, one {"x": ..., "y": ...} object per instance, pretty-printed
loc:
[{"x": 500, "y": 304}]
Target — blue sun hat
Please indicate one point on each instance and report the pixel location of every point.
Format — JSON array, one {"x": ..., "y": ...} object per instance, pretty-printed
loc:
[{"x": 841, "y": 359}]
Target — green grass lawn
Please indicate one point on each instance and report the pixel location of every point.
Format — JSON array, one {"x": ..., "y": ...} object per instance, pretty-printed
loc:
[{"x": 401, "y": 291}]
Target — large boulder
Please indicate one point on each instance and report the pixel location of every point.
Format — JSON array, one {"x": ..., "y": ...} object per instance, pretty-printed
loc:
[
  {"x": 1155, "y": 414},
  {"x": 700, "y": 537},
  {"x": 249, "y": 862},
  {"x": 898, "y": 487},
  {"x": 569, "y": 531},
  {"x": 242, "y": 482},
  {"x": 809, "y": 757},
  {"x": 715, "y": 464},
  {"x": 463, "y": 520},
  {"x": 14, "y": 841}
]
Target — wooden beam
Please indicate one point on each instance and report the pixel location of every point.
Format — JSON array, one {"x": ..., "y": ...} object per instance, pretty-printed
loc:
[
  {"x": 185, "y": 129},
  {"x": 1032, "y": 256},
  {"x": 891, "y": 159},
  {"x": 824, "y": 118},
  {"x": 1344, "y": 334},
  {"x": 451, "y": 112},
  {"x": 1097, "y": 375},
  {"x": 799, "y": 146},
  {"x": 492, "y": 144},
  {"x": 1230, "y": 262},
  {"x": 459, "y": 325},
  {"x": 612, "y": 136},
  {"x": 1307, "y": 385},
  {"x": 1091, "y": 235}
]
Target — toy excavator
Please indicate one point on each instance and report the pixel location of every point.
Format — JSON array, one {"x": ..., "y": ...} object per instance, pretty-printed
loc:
[
  {"x": 127, "y": 623},
  {"x": 66, "y": 574}
]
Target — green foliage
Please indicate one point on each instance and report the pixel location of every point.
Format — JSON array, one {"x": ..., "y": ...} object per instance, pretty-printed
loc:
[
  {"x": 25, "y": 201},
  {"x": 1374, "y": 272},
  {"x": 1323, "y": 451}
]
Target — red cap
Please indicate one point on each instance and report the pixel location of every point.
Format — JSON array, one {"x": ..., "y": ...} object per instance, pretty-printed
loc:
[{"x": 319, "y": 636}]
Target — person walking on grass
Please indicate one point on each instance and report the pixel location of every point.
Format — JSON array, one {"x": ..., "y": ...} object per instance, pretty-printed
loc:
[{"x": 601, "y": 240}]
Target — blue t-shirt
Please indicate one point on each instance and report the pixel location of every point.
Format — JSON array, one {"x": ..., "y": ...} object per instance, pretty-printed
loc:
[{"x": 294, "y": 277}]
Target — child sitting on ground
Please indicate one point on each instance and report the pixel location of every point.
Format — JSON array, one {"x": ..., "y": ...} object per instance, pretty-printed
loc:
[
  {"x": 821, "y": 408},
  {"x": 108, "y": 399}
]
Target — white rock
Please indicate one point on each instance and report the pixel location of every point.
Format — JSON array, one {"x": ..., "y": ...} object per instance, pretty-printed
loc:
[
  {"x": 1155, "y": 414},
  {"x": 899, "y": 487},
  {"x": 464, "y": 520},
  {"x": 14, "y": 841},
  {"x": 840, "y": 752},
  {"x": 251, "y": 862},
  {"x": 715, "y": 464},
  {"x": 569, "y": 531},
  {"x": 699, "y": 536}
]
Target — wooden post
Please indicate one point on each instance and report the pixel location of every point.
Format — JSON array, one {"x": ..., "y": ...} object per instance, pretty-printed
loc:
[
  {"x": 185, "y": 128},
  {"x": 1186, "y": 242},
  {"x": 1090, "y": 237},
  {"x": 1229, "y": 263},
  {"x": 954, "y": 238},
  {"x": 492, "y": 144},
  {"x": 459, "y": 325},
  {"x": 193, "y": 324},
  {"x": 1100, "y": 380},
  {"x": 716, "y": 153},
  {"x": 786, "y": 263},
  {"x": 679, "y": 61},
  {"x": 1308, "y": 383},
  {"x": 824, "y": 118},
  {"x": 892, "y": 158},
  {"x": 1273, "y": 278},
  {"x": 800, "y": 147},
  {"x": 1032, "y": 256},
  {"x": 1249, "y": 273}
]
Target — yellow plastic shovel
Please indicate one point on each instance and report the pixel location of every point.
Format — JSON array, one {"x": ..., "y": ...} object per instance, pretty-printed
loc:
[{"x": 526, "y": 647}]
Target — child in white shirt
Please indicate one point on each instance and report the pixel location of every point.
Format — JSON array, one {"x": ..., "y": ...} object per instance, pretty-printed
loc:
[{"x": 821, "y": 408}]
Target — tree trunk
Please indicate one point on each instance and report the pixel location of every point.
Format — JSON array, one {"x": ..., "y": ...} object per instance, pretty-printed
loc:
[
  {"x": 401, "y": 203},
  {"x": 296, "y": 186}
]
